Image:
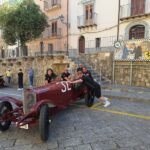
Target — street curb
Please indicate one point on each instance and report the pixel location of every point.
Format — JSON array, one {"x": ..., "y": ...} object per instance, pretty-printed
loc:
[{"x": 128, "y": 98}]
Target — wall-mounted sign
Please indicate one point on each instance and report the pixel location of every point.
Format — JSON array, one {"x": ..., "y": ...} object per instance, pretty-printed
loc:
[{"x": 133, "y": 50}]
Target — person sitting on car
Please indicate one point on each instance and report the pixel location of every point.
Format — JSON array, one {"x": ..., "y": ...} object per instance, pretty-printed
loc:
[
  {"x": 93, "y": 85},
  {"x": 50, "y": 76},
  {"x": 65, "y": 75}
]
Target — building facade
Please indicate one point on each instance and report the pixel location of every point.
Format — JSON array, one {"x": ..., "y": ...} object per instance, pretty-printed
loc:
[
  {"x": 135, "y": 19},
  {"x": 54, "y": 39},
  {"x": 87, "y": 26},
  {"x": 95, "y": 25},
  {"x": 91, "y": 21}
]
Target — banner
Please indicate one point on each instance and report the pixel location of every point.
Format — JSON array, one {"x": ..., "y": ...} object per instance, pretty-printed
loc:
[{"x": 132, "y": 50}]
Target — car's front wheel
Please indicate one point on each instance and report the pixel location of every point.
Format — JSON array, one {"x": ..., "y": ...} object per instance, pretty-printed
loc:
[
  {"x": 89, "y": 98},
  {"x": 44, "y": 122},
  {"x": 5, "y": 122}
]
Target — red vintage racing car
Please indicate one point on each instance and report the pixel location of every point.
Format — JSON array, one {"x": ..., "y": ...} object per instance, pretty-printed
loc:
[{"x": 39, "y": 104}]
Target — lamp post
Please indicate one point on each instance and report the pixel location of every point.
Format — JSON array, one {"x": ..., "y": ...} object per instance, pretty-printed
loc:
[
  {"x": 61, "y": 17},
  {"x": 118, "y": 25}
]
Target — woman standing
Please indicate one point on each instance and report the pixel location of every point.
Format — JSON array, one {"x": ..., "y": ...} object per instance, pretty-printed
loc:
[{"x": 50, "y": 76}]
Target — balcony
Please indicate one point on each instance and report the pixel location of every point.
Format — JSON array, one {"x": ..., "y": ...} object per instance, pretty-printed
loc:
[
  {"x": 49, "y": 34},
  {"x": 84, "y": 22},
  {"x": 87, "y": 1},
  {"x": 51, "y": 53},
  {"x": 52, "y": 4},
  {"x": 128, "y": 11}
]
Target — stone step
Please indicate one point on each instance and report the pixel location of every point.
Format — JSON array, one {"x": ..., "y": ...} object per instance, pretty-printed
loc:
[{"x": 81, "y": 60}]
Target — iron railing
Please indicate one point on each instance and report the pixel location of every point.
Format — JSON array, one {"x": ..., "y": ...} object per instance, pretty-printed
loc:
[
  {"x": 128, "y": 10},
  {"x": 48, "y": 33},
  {"x": 50, "y": 4},
  {"x": 84, "y": 21},
  {"x": 50, "y": 53}
]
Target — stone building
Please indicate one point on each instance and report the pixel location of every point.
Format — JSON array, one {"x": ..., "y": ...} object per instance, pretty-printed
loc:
[
  {"x": 94, "y": 25},
  {"x": 55, "y": 38}
]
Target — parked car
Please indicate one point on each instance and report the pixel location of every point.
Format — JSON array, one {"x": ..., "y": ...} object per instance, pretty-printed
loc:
[{"x": 39, "y": 104}]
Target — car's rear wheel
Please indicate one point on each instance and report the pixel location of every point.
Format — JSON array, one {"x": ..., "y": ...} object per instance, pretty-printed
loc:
[
  {"x": 5, "y": 107},
  {"x": 89, "y": 99},
  {"x": 44, "y": 122}
]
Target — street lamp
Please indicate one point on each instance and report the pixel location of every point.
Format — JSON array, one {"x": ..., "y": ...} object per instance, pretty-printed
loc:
[{"x": 61, "y": 17}]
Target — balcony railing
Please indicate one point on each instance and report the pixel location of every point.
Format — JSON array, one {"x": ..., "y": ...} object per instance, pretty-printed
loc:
[
  {"x": 83, "y": 21},
  {"x": 51, "y": 4},
  {"x": 48, "y": 33},
  {"x": 50, "y": 53},
  {"x": 127, "y": 11}
]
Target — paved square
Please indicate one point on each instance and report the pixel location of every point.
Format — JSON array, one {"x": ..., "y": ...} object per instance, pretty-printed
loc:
[{"x": 82, "y": 128}]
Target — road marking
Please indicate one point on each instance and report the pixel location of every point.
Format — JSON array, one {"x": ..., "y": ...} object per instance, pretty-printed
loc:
[
  {"x": 119, "y": 112},
  {"x": 8, "y": 94}
]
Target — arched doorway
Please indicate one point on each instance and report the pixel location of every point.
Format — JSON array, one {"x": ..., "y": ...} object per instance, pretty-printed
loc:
[
  {"x": 82, "y": 44},
  {"x": 137, "y": 32}
]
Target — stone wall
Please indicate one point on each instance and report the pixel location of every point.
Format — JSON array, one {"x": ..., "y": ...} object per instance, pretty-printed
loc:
[
  {"x": 135, "y": 73},
  {"x": 101, "y": 62},
  {"x": 39, "y": 64}
]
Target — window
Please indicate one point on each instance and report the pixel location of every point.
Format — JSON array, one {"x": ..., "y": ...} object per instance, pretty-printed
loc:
[
  {"x": 54, "y": 2},
  {"x": 3, "y": 53},
  {"x": 41, "y": 47},
  {"x": 137, "y": 32},
  {"x": 25, "y": 51},
  {"x": 89, "y": 12},
  {"x": 54, "y": 28},
  {"x": 45, "y": 5},
  {"x": 98, "y": 42},
  {"x": 50, "y": 48},
  {"x": 137, "y": 7}
]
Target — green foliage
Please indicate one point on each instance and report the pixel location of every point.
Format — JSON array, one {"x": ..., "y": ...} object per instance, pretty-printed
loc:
[{"x": 22, "y": 21}]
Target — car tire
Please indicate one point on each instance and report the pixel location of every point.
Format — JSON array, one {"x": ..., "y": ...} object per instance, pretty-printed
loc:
[
  {"x": 44, "y": 123},
  {"x": 89, "y": 99},
  {"x": 4, "y": 108}
]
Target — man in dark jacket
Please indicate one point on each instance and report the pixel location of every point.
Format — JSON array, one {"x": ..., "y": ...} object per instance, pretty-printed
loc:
[{"x": 20, "y": 80}]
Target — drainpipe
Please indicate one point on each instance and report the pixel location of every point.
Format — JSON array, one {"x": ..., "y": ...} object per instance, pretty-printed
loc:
[
  {"x": 118, "y": 25},
  {"x": 67, "y": 27}
]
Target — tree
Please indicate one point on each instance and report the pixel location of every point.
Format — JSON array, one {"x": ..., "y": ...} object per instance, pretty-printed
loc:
[{"x": 22, "y": 22}]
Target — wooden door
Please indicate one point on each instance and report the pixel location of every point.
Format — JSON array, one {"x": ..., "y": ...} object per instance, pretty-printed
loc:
[
  {"x": 82, "y": 44},
  {"x": 137, "y": 7}
]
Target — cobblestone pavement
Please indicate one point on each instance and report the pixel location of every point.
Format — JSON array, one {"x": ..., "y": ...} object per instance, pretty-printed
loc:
[{"x": 82, "y": 128}]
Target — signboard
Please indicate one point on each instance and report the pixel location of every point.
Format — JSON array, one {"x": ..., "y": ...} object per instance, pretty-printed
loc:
[{"x": 132, "y": 50}]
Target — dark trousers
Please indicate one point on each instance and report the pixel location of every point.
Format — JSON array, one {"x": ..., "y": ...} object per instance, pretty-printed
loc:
[
  {"x": 20, "y": 84},
  {"x": 9, "y": 80},
  {"x": 31, "y": 80}
]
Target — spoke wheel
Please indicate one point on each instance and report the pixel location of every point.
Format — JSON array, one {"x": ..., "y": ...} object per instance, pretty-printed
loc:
[
  {"x": 44, "y": 123},
  {"x": 5, "y": 107}
]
